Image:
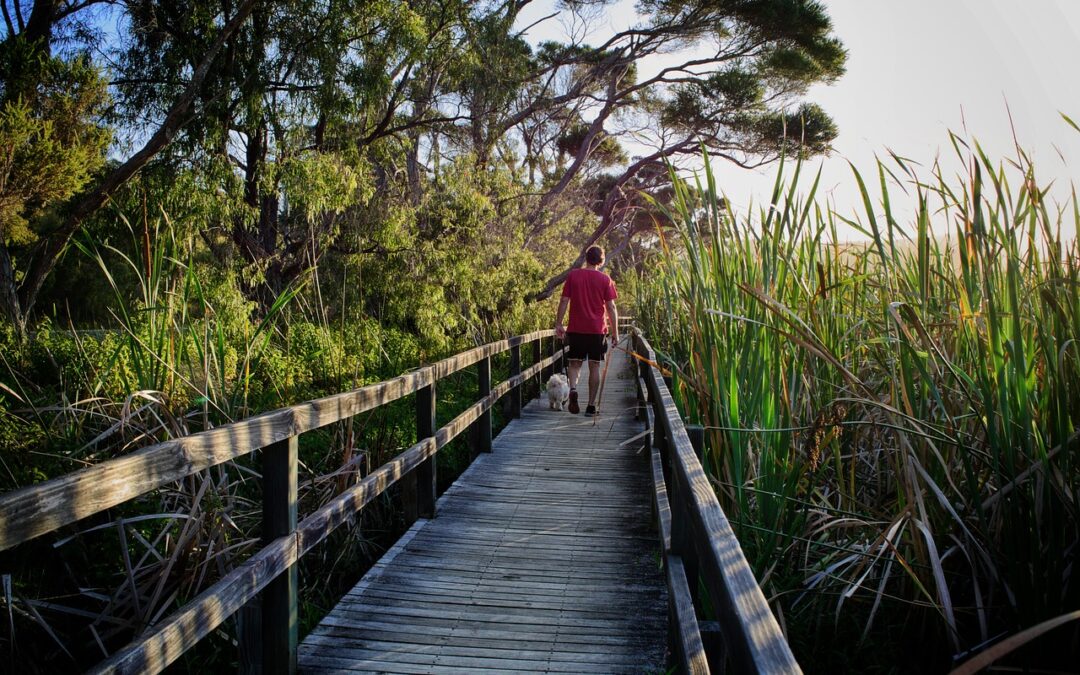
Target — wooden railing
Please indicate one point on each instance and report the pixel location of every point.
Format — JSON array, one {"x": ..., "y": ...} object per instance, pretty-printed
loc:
[
  {"x": 270, "y": 574},
  {"x": 700, "y": 548}
]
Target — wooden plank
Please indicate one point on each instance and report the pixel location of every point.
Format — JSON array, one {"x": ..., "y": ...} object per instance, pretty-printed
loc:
[
  {"x": 504, "y": 618},
  {"x": 377, "y": 601},
  {"x": 571, "y": 535},
  {"x": 506, "y": 650},
  {"x": 332, "y": 667},
  {"x": 613, "y": 595},
  {"x": 592, "y": 606},
  {"x": 463, "y": 360},
  {"x": 496, "y": 577},
  {"x": 371, "y": 661},
  {"x": 576, "y": 557},
  {"x": 663, "y": 508},
  {"x": 465, "y": 632},
  {"x": 543, "y": 570},
  {"x": 687, "y": 635},
  {"x": 580, "y": 547},
  {"x": 616, "y": 651},
  {"x": 538, "y": 573}
]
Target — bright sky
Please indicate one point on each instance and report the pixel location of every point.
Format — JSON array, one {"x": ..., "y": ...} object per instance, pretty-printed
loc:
[{"x": 919, "y": 68}]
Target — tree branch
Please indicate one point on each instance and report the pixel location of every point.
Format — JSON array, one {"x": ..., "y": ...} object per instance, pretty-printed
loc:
[{"x": 607, "y": 213}]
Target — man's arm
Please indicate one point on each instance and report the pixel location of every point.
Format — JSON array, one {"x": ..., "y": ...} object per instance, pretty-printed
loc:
[
  {"x": 560, "y": 330},
  {"x": 613, "y": 321}
]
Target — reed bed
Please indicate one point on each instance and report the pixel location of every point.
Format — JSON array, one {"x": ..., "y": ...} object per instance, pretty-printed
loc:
[{"x": 891, "y": 425}]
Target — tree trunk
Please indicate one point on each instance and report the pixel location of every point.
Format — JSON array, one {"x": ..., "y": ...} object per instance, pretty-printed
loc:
[
  {"x": 40, "y": 25},
  {"x": 9, "y": 294}
]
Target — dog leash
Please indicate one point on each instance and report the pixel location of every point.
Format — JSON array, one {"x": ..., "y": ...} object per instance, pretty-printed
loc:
[
  {"x": 600, "y": 394},
  {"x": 663, "y": 371}
]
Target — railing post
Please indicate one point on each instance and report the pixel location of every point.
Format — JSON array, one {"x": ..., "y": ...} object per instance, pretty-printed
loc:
[
  {"x": 638, "y": 368},
  {"x": 556, "y": 345},
  {"x": 537, "y": 358},
  {"x": 658, "y": 435},
  {"x": 696, "y": 432},
  {"x": 484, "y": 422},
  {"x": 280, "y": 626},
  {"x": 515, "y": 392},
  {"x": 423, "y": 506}
]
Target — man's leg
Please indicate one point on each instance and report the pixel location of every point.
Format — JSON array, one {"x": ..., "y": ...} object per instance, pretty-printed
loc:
[
  {"x": 573, "y": 367},
  {"x": 594, "y": 380},
  {"x": 572, "y": 370}
]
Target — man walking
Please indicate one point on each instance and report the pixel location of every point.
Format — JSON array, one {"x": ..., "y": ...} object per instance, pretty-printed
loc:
[{"x": 590, "y": 295}]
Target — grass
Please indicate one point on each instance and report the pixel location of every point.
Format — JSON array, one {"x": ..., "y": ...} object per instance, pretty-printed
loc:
[{"x": 892, "y": 426}]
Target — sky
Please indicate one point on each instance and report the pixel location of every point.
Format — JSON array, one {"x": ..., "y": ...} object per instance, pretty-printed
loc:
[{"x": 919, "y": 68}]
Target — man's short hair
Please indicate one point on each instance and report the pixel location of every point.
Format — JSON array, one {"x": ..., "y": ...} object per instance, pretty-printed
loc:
[{"x": 595, "y": 255}]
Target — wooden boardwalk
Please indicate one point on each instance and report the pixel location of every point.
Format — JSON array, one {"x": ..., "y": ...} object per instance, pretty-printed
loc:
[{"x": 542, "y": 558}]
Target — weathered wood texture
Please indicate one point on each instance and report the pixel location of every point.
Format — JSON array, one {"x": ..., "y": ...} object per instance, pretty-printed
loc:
[
  {"x": 684, "y": 634},
  {"x": 177, "y": 633},
  {"x": 42, "y": 508},
  {"x": 542, "y": 559},
  {"x": 280, "y": 623},
  {"x": 700, "y": 532}
]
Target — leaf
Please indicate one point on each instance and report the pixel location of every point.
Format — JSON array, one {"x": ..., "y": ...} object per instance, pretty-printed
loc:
[
  {"x": 1069, "y": 120},
  {"x": 985, "y": 658},
  {"x": 5, "y": 388}
]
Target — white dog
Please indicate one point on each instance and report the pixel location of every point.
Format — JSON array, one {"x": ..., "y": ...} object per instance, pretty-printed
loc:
[{"x": 558, "y": 391}]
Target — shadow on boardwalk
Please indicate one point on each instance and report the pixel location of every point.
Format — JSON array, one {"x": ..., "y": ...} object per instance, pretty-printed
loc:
[{"x": 542, "y": 558}]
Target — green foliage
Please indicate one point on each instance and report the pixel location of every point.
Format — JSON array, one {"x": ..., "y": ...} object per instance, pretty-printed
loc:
[
  {"x": 321, "y": 184},
  {"x": 51, "y": 137},
  {"x": 606, "y": 150},
  {"x": 748, "y": 101},
  {"x": 802, "y": 132},
  {"x": 457, "y": 264}
]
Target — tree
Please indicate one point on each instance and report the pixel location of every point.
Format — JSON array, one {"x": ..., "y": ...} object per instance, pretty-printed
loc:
[
  {"x": 28, "y": 69},
  {"x": 736, "y": 94},
  {"x": 50, "y": 146},
  {"x": 294, "y": 118}
]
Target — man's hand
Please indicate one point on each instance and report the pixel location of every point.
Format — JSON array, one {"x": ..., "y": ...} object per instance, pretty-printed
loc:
[
  {"x": 560, "y": 329},
  {"x": 614, "y": 339}
]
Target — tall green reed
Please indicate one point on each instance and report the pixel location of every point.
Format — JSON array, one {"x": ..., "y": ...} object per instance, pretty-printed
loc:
[
  {"x": 890, "y": 423},
  {"x": 177, "y": 343}
]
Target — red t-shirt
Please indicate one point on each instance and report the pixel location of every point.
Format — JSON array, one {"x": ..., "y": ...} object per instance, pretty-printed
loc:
[{"x": 588, "y": 291}]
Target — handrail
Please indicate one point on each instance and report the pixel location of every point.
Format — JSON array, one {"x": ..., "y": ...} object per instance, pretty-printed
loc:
[
  {"x": 698, "y": 540},
  {"x": 38, "y": 509},
  {"x": 35, "y": 510}
]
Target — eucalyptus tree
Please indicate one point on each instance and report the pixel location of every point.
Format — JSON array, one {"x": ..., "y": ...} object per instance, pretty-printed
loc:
[
  {"x": 319, "y": 104},
  {"x": 726, "y": 75},
  {"x": 53, "y": 130}
]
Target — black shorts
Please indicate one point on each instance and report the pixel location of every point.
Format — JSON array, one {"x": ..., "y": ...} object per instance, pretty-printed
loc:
[{"x": 584, "y": 346}]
